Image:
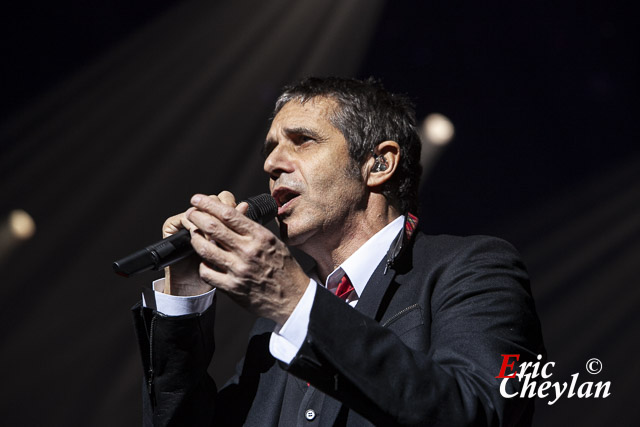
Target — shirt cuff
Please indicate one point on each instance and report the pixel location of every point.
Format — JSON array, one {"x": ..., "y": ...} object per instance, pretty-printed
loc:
[
  {"x": 286, "y": 341},
  {"x": 173, "y": 305}
]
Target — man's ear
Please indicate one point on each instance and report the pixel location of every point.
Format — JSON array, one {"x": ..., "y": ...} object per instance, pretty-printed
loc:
[{"x": 382, "y": 164}]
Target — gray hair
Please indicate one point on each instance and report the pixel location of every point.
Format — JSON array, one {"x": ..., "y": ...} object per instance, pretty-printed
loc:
[{"x": 367, "y": 115}]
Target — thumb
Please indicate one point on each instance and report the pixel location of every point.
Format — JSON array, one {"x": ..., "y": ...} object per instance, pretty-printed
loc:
[{"x": 243, "y": 207}]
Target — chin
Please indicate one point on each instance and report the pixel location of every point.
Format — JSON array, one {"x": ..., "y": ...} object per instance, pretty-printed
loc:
[{"x": 294, "y": 234}]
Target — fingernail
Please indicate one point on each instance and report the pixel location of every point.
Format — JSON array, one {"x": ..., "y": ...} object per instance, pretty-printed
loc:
[{"x": 195, "y": 199}]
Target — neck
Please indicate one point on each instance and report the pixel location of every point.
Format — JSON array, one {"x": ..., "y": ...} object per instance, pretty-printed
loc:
[{"x": 337, "y": 245}]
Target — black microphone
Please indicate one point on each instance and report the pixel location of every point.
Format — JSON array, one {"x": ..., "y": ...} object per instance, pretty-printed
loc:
[{"x": 262, "y": 209}]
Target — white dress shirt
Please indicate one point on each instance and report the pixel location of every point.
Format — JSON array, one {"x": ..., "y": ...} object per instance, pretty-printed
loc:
[{"x": 286, "y": 340}]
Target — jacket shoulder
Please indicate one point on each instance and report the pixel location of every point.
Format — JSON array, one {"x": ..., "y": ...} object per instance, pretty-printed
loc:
[
  {"x": 445, "y": 243},
  {"x": 433, "y": 250}
]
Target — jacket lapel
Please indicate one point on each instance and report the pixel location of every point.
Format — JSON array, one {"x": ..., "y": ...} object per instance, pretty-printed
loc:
[
  {"x": 375, "y": 298},
  {"x": 376, "y": 294},
  {"x": 377, "y": 286},
  {"x": 368, "y": 304}
]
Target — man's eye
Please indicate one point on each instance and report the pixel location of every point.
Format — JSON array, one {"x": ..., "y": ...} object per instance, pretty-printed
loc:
[{"x": 305, "y": 138}]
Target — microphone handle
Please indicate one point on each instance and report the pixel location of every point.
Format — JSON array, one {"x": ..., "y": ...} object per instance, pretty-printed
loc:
[{"x": 262, "y": 208}]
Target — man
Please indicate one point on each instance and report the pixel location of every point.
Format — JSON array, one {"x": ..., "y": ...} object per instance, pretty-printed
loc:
[{"x": 391, "y": 327}]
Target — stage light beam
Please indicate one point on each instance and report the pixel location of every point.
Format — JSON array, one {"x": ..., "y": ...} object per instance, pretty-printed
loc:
[
  {"x": 436, "y": 132},
  {"x": 438, "y": 129},
  {"x": 15, "y": 228},
  {"x": 21, "y": 224}
]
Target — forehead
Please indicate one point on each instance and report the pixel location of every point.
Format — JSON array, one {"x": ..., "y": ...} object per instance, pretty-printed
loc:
[{"x": 314, "y": 112}]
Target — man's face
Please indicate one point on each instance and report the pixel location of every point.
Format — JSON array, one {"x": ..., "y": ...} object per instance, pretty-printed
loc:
[{"x": 311, "y": 175}]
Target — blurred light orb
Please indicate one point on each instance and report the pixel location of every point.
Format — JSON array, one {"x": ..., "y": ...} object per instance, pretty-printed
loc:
[
  {"x": 438, "y": 129},
  {"x": 21, "y": 224}
]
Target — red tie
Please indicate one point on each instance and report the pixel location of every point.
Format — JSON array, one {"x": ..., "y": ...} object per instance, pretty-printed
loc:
[{"x": 344, "y": 288}]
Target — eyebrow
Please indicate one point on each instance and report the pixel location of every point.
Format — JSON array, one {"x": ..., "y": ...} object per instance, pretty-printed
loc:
[
  {"x": 270, "y": 143},
  {"x": 301, "y": 130}
]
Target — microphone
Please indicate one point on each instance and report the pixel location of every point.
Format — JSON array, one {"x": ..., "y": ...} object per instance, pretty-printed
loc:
[{"x": 262, "y": 209}]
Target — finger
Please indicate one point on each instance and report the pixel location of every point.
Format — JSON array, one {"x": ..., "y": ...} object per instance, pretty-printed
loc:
[
  {"x": 224, "y": 282},
  {"x": 215, "y": 230},
  {"x": 226, "y": 214},
  {"x": 212, "y": 276},
  {"x": 175, "y": 223},
  {"x": 243, "y": 207},
  {"x": 186, "y": 223},
  {"x": 171, "y": 226},
  {"x": 211, "y": 253},
  {"x": 227, "y": 198}
]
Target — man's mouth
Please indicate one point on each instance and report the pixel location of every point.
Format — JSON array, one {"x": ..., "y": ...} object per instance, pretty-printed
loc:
[{"x": 284, "y": 198}]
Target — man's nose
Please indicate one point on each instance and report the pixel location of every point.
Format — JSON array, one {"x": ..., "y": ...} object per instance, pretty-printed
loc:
[{"x": 279, "y": 161}]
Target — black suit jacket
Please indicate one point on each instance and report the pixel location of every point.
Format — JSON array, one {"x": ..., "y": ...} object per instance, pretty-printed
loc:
[{"x": 422, "y": 347}]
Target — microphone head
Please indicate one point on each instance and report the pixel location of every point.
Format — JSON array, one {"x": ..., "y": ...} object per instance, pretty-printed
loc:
[{"x": 262, "y": 208}]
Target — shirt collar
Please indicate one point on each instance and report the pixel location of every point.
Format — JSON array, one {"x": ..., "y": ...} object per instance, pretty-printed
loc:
[{"x": 363, "y": 262}]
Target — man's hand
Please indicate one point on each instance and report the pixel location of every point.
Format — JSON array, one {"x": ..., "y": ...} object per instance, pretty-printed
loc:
[
  {"x": 182, "y": 278},
  {"x": 244, "y": 259}
]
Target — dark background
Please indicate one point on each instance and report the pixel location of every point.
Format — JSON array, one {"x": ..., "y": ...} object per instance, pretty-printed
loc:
[{"x": 114, "y": 113}]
